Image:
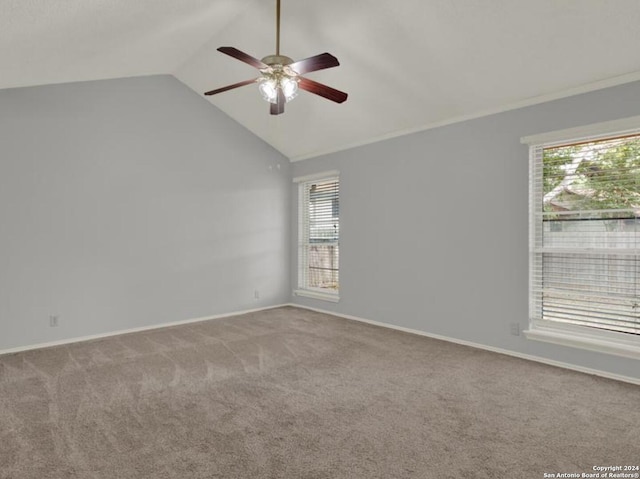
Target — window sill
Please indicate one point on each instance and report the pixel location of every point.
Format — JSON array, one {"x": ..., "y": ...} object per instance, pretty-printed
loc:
[
  {"x": 607, "y": 342},
  {"x": 334, "y": 298}
]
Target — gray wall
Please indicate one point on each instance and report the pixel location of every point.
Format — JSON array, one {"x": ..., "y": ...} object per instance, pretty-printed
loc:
[
  {"x": 133, "y": 202},
  {"x": 434, "y": 226}
]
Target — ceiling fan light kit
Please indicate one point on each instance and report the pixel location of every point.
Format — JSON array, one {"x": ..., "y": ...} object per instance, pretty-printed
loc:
[
  {"x": 281, "y": 78},
  {"x": 278, "y": 76}
]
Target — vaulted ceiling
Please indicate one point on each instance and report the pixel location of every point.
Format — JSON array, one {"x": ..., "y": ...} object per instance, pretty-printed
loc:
[{"x": 407, "y": 65}]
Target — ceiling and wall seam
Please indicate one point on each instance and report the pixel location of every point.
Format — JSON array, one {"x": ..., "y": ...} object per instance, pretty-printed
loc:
[
  {"x": 407, "y": 66},
  {"x": 599, "y": 85}
]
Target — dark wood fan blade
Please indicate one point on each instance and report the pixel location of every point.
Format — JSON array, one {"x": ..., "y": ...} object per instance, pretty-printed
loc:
[
  {"x": 231, "y": 87},
  {"x": 243, "y": 57},
  {"x": 312, "y": 64},
  {"x": 322, "y": 90},
  {"x": 278, "y": 107}
]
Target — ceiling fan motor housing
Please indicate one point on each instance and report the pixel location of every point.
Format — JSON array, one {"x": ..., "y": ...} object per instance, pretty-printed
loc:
[{"x": 277, "y": 60}]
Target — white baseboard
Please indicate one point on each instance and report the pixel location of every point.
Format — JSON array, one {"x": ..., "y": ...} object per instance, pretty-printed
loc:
[
  {"x": 538, "y": 359},
  {"x": 551, "y": 362},
  {"x": 135, "y": 330}
]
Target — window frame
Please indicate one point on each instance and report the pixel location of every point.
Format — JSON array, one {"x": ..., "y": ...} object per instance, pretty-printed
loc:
[
  {"x": 572, "y": 335},
  {"x": 303, "y": 289}
]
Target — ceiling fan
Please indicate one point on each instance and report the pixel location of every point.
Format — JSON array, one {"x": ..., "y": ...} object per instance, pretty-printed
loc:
[{"x": 281, "y": 77}]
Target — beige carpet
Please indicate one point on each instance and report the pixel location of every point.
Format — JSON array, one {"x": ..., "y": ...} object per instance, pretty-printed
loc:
[{"x": 289, "y": 393}]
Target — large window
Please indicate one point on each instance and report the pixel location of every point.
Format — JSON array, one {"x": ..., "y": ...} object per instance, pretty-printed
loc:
[
  {"x": 319, "y": 237},
  {"x": 585, "y": 239}
]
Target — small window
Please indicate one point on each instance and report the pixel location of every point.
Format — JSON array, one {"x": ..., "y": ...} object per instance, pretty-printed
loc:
[
  {"x": 585, "y": 241},
  {"x": 319, "y": 238}
]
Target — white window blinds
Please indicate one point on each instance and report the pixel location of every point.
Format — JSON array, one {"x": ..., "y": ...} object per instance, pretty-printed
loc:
[
  {"x": 585, "y": 233},
  {"x": 319, "y": 235}
]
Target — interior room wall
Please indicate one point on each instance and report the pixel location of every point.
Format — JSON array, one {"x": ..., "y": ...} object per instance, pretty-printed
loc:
[
  {"x": 434, "y": 226},
  {"x": 133, "y": 202}
]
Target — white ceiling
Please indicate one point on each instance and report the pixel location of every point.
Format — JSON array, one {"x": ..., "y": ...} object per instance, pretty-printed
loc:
[{"x": 406, "y": 64}]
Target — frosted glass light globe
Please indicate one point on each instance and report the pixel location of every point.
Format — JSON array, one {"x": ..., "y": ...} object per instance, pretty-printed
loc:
[
  {"x": 289, "y": 88},
  {"x": 268, "y": 87},
  {"x": 268, "y": 90}
]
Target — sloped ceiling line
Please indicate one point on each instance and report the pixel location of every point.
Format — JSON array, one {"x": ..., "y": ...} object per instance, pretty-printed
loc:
[{"x": 406, "y": 65}]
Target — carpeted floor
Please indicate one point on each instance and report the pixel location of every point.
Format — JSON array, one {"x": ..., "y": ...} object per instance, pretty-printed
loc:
[{"x": 290, "y": 393}]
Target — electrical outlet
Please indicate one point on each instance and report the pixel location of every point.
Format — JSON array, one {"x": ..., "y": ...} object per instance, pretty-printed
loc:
[
  {"x": 256, "y": 294},
  {"x": 515, "y": 329},
  {"x": 53, "y": 321}
]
